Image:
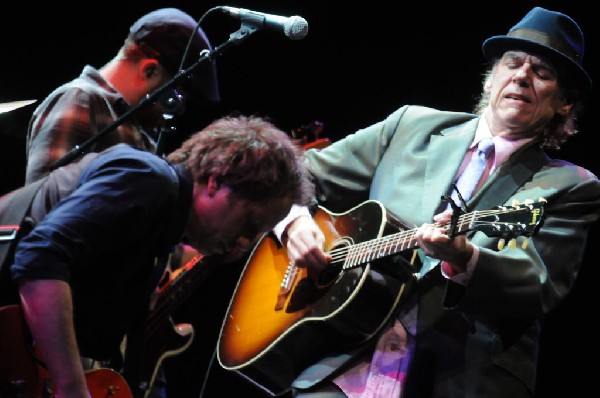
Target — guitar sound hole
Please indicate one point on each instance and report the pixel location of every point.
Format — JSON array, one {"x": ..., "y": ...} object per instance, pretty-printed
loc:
[
  {"x": 308, "y": 291},
  {"x": 328, "y": 276}
]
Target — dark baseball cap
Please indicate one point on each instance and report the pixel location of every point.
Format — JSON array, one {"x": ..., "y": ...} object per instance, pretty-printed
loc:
[{"x": 164, "y": 34}]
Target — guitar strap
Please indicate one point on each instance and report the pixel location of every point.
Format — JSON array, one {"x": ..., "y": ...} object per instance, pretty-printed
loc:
[
  {"x": 511, "y": 176},
  {"x": 14, "y": 206},
  {"x": 17, "y": 206}
]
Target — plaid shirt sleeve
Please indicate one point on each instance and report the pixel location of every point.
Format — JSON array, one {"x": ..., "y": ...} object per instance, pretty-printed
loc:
[
  {"x": 70, "y": 116},
  {"x": 61, "y": 122}
]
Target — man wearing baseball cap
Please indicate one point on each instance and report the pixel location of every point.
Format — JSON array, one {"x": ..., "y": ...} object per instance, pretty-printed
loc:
[
  {"x": 164, "y": 34},
  {"x": 150, "y": 56}
]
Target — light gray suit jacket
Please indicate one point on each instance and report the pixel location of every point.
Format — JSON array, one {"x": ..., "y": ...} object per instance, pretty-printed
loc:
[{"x": 407, "y": 162}]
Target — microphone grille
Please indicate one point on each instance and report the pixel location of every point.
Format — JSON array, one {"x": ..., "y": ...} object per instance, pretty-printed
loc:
[{"x": 295, "y": 28}]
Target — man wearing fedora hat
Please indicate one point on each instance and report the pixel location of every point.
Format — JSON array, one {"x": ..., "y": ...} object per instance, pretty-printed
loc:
[{"x": 468, "y": 323}]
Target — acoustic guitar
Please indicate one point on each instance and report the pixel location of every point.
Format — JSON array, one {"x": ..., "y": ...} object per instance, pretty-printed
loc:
[{"x": 279, "y": 320}]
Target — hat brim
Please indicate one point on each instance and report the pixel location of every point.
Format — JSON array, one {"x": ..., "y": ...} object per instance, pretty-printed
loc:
[
  {"x": 496, "y": 46},
  {"x": 204, "y": 83}
]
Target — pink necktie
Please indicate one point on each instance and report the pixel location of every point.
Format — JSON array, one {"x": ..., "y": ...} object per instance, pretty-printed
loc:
[{"x": 470, "y": 177}]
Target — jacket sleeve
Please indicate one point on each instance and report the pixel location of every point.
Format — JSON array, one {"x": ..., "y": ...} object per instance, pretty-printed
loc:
[{"x": 532, "y": 281}]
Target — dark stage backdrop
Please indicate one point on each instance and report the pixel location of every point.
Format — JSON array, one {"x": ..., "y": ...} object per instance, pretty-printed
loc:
[{"x": 356, "y": 65}]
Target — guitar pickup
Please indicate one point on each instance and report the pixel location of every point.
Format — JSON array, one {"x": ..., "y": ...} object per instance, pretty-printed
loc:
[{"x": 8, "y": 232}]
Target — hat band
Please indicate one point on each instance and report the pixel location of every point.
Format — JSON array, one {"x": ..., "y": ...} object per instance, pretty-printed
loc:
[{"x": 545, "y": 40}]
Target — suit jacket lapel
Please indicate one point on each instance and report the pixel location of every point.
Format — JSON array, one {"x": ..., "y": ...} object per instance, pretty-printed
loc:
[
  {"x": 443, "y": 163},
  {"x": 510, "y": 176}
]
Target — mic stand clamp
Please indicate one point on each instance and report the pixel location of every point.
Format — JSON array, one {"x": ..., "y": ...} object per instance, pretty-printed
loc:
[{"x": 173, "y": 106}]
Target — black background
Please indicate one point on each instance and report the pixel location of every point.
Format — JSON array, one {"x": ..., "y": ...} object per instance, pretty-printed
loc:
[{"x": 356, "y": 65}]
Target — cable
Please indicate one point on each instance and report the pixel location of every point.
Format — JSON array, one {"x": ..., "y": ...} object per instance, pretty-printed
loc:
[
  {"x": 189, "y": 44},
  {"x": 210, "y": 364}
]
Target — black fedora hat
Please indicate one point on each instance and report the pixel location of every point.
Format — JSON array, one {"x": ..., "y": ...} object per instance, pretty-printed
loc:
[{"x": 549, "y": 33}]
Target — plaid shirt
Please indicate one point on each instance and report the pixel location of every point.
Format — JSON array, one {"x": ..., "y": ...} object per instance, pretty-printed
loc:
[{"x": 72, "y": 114}]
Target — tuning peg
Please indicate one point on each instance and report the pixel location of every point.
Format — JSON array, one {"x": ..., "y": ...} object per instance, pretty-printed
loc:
[
  {"x": 512, "y": 243},
  {"x": 515, "y": 203},
  {"x": 501, "y": 243},
  {"x": 525, "y": 244},
  {"x": 542, "y": 200}
]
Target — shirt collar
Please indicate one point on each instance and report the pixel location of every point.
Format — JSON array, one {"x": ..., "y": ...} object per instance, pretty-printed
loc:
[{"x": 503, "y": 148}]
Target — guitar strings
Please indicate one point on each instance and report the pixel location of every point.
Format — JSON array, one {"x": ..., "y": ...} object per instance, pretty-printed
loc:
[
  {"x": 192, "y": 271},
  {"x": 353, "y": 255}
]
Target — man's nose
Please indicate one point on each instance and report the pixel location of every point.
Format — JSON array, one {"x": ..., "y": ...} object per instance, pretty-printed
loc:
[{"x": 522, "y": 74}]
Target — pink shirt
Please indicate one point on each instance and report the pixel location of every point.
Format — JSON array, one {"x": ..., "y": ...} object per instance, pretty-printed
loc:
[{"x": 383, "y": 374}]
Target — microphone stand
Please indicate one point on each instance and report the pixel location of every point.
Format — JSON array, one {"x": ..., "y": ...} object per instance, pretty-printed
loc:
[
  {"x": 235, "y": 38},
  {"x": 172, "y": 106}
]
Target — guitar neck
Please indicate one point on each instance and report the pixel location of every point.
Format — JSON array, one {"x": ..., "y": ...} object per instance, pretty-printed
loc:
[
  {"x": 388, "y": 245},
  {"x": 518, "y": 220},
  {"x": 180, "y": 288}
]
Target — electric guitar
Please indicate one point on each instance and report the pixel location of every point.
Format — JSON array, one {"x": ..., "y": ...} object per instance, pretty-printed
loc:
[
  {"x": 309, "y": 135},
  {"x": 159, "y": 337},
  {"x": 279, "y": 321},
  {"x": 22, "y": 370}
]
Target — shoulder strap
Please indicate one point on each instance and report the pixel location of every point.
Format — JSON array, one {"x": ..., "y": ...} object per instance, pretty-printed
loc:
[{"x": 13, "y": 210}]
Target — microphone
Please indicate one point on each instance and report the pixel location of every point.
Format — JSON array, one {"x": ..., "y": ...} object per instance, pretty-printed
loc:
[{"x": 294, "y": 27}]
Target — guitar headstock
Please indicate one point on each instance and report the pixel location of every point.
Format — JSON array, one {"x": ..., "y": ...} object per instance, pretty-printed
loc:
[
  {"x": 310, "y": 135},
  {"x": 509, "y": 222}
]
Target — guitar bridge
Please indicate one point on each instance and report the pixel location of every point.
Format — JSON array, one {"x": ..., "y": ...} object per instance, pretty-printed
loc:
[{"x": 284, "y": 289}]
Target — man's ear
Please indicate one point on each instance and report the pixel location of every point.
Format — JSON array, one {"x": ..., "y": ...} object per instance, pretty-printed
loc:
[
  {"x": 567, "y": 103},
  {"x": 564, "y": 109},
  {"x": 487, "y": 85},
  {"x": 149, "y": 68},
  {"x": 212, "y": 185}
]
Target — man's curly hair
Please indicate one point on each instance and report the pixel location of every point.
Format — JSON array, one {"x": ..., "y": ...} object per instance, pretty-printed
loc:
[{"x": 249, "y": 154}]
